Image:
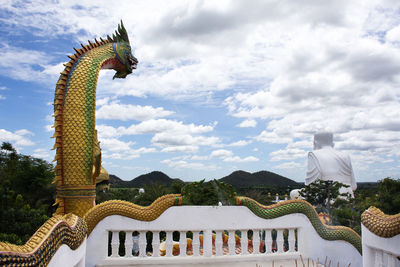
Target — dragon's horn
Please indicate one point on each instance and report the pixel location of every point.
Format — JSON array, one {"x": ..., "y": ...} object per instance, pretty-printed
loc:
[{"x": 121, "y": 33}]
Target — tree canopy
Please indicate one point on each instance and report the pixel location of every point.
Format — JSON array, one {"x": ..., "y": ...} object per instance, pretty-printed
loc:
[{"x": 26, "y": 194}]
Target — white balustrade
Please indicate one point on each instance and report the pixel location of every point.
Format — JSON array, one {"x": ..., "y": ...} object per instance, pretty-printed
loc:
[
  {"x": 209, "y": 242},
  {"x": 265, "y": 237}
]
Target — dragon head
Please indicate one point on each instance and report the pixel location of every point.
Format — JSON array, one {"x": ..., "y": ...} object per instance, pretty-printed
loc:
[{"x": 123, "y": 62}]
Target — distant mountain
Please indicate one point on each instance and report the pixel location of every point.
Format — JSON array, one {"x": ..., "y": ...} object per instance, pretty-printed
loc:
[
  {"x": 242, "y": 179},
  {"x": 117, "y": 182},
  {"x": 151, "y": 178},
  {"x": 238, "y": 179},
  {"x": 142, "y": 180}
]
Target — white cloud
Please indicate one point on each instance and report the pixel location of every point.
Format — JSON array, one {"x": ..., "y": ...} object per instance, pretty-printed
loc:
[
  {"x": 289, "y": 165},
  {"x": 239, "y": 143},
  {"x": 186, "y": 141},
  {"x": 24, "y": 64},
  {"x": 125, "y": 112},
  {"x": 239, "y": 159},
  {"x": 115, "y": 145},
  {"x": 179, "y": 148},
  {"x": 196, "y": 157},
  {"x": 272, "y": 138},
  {"x": 188, "y": 165},
  {"x": 2, "y": 97},
  {"x": 42, "y": 153},
  {"x": 127, "y": 154},
  {"x": 49, "y": 128},
  {"x": 228, "y": 156},
  {"x": 221, "y": 153},
  {"x": 248, "y": 123},
  {"x": 169, "y": 135},
  {"x": 18, "y": 138},
  {"x": 393, "y": 35},
  {"x": 163, "y": 125},
  {"x": 288, "y": 154}
]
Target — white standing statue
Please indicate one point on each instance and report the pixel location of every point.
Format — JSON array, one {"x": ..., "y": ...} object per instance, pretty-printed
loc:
[{"x": 326, "y": 163}]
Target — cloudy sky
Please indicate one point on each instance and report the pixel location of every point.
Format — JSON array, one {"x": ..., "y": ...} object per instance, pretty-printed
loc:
[{"x": 221, "y": 85}]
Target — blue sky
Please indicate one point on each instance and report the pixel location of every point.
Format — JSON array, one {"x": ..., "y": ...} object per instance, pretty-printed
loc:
[{"x": 220, "y": 86}]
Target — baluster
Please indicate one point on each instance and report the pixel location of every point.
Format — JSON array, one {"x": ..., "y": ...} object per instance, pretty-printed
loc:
[
  {"x": 268, "y": 241},
  {"x": 182, "y": 244},
  {"x": 231, "y": 242},
  {"x": 291, "y": 240},
  {"x": 218, "y": 243},
  {"x": 169, "y": 244},
  {"x": 128, "y": 244},
  {"x": 156, "y": 244},
  {"x": 115, "y": 244},
  {"x": 378, "y": 258},
  {"x": 207, "y": 243},
  {"x": 256, "y": 241},
  {"x": 196, "y": 243},
  {"x": 244, "y": 241},
  {"x": 279, "y": 241},
  {"x": 142, "y": 244},
  {"x": 390, "y": 260}
]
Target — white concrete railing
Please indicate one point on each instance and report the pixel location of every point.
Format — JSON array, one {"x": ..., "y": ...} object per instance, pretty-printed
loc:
[
  {"x": 379, "y": 251},
  {"x": 66, "y": 257},
  {"x": 103, "y": 243}
]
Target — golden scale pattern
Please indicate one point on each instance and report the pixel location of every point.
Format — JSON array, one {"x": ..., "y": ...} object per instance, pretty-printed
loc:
[
  {"x": 69, "y": 120},
  {"x": 128, "y": 209},
  {"x": 41, "y": 247},
  {"x": 381, "y": 224}
]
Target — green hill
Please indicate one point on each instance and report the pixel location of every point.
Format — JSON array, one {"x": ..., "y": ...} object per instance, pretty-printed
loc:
[
  {"x": 155, "y": 177},
  {"x": 242, "y": 179}
]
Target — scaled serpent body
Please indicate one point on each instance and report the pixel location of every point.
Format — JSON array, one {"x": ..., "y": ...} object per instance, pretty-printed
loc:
[{"x": 300, "y": 206}]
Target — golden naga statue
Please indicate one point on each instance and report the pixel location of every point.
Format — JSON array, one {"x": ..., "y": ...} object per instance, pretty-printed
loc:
[{"x": 78, "y": 153}]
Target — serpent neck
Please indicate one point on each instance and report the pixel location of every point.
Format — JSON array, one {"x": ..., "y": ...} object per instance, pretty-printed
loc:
[{"x": 77, "y": 188}]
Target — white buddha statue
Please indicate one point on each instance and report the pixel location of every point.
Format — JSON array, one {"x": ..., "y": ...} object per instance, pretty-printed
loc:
[{"x": 326, "y": 163}]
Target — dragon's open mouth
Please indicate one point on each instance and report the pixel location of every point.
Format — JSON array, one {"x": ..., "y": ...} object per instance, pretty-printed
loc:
[
  {"x": 133, "y": 62},
  {"x": 111, "y": 63}
]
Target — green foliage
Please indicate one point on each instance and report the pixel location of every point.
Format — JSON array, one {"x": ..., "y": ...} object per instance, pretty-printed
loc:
[
  {"x": 208, "y": 193},
  {"x": 26, "y": 194},
  {"x": 321, "y": 193},
  {"x": 389, "y": 195},
  {"x": 28, "y": 176},
  {"x": 200, "y": 193},
  {"x": 127, "y": 194},
  {"x": 151, "y": 193},
  {"x": 345, "y": 213}
]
